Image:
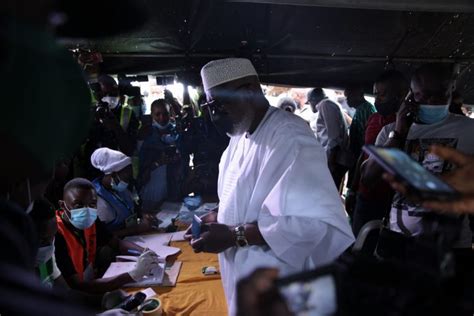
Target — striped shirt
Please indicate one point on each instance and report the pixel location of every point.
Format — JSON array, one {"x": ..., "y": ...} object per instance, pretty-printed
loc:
[{"x": 358, "y": 126}]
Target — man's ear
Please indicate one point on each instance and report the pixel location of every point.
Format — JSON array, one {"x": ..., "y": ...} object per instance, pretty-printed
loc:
[{"x": 62, "y": 204}]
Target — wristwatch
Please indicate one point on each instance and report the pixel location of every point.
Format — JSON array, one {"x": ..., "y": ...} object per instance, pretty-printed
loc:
[{"x": 240, "y": 239}]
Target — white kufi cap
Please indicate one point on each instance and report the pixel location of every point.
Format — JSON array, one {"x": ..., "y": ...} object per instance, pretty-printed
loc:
[
  {"x": 108, "y": 160},
  {"x": 221, "y": 71}
]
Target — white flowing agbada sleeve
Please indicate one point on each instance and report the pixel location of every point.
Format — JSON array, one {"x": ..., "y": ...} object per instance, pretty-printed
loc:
[{"x": 302, "y": 216}]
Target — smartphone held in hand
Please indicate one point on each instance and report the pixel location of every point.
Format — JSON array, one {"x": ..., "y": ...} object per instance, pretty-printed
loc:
[
  {"x": 421, "y": 184},
  {"x": 196, "y": 227}
]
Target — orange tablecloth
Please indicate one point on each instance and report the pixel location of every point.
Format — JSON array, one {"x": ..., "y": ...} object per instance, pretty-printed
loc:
[{"x": 195, "y": 293}]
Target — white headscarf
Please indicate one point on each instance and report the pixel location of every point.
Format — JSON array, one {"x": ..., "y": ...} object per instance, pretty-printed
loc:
[{"x": 108, "y": 160}]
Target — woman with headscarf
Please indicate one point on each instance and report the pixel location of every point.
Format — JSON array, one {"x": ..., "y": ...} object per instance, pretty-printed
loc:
[{"x": 116, "y": 205}]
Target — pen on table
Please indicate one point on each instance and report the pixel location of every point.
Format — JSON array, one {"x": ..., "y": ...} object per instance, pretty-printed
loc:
[{"x": 134, "y": 252}]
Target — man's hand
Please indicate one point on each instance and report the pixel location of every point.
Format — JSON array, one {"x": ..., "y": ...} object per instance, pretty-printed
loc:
[
  {"x": 258, "y": 296},
  {"x": 405, "y": 116},
  {"x": 208, "y": 218},
  {"x": 148, "y": 222},
  {"x": 464, "y": 205},
  {"x": 215, "y": 239},
  {"x": 460, "y": 179}
]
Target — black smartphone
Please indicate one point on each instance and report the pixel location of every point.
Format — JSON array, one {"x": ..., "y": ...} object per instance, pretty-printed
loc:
[
  {"x": 421, "y": 183},
  {"x": 311, "y": 293},
  {"x": 411, "y": 102}
]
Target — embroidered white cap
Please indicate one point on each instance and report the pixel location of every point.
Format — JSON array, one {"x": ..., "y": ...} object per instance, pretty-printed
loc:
[
  {"x": 221, "y": 71},
  {"x": 108, "y": 160}
]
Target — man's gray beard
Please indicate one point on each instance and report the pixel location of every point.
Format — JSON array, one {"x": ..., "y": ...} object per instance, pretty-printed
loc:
[{"x": 242, "y": 126}]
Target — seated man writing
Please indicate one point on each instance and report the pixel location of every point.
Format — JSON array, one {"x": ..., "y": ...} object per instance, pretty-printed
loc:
[{"x": 81, "y": 236}]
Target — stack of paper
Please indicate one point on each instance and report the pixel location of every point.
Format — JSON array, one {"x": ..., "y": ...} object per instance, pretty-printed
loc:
[
  {"x": 186, "y": 216},
  {"x": 159, "y": 243},
  {"x": 165, "y": 275}
]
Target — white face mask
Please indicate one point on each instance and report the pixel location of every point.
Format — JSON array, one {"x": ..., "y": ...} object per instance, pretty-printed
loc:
[
  {"x": 44, "y": 254},
  {"x": 112, "y": 101}
]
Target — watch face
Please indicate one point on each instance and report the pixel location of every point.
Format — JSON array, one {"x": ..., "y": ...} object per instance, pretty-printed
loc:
[{"x": 242, "y": 242}]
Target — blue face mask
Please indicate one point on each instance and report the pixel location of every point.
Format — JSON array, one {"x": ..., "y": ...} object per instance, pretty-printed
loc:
[
  {"x": 158, "y": 125},
  {"x": 82, "y": 218},
  {"x": 120, "y": 187},
  {"x": 431, "y": 114}
]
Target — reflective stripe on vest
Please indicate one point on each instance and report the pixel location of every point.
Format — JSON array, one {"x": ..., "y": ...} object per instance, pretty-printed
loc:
[
  {"x": 75, "y": 248},
  {"x": 125, "y": 116}
]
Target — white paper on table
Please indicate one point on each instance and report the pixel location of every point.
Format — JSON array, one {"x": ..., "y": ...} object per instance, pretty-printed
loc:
[
  {"x": 166, "y": 218},
  {"x": 178, "y": 236},
  {"x": 156, "y": 242},
  {"x": 186, "y": 216},
  {"x": 168, "y": 212},
  {"x": 165, "y": 276},
  {"x": 171, "y": 207},
  {"x": 149, "y": 293},
  {"x": 117, "y": 268}
]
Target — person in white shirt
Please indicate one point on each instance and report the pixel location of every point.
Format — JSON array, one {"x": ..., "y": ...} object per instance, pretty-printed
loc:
[
  {"x": 278, "y": 204},
  {"x": 332, "y": 133}
]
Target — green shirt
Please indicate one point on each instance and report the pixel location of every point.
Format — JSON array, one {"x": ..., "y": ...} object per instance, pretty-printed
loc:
[{"x": 358, "y": 126}]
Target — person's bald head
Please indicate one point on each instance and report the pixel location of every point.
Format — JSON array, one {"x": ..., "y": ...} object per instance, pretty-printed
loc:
[{"x": 432, "y": 84}]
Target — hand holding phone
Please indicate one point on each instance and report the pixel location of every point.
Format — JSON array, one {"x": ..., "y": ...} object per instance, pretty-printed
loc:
[
  {"x": 406, "y": 115},
  {"x": 421, "y": 184},
  {"x": 196, "y": 227},
  {"x": 312, "y": 292}
]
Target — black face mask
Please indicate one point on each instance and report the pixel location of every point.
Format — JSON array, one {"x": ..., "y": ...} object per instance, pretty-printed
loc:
[
  {"x": 389, "y": 107},
  {"x": 219, "y": 118},
  {"x": 222, "y": 122}
]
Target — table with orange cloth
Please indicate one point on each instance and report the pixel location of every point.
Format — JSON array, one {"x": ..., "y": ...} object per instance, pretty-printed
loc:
[{"x": 194, "y": 293}]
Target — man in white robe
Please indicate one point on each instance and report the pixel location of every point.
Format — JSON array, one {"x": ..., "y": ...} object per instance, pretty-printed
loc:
[{"x": 278, "y": 206}]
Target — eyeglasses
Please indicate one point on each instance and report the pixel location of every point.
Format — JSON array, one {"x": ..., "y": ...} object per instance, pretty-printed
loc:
[{"x": 214, "y": 107}]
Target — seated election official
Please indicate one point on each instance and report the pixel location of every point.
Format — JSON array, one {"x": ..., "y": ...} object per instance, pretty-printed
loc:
[
  {"x": 44, "y": 220},
  {"x": 81, "y": 236},
  {"x": 115, "y": 204}
]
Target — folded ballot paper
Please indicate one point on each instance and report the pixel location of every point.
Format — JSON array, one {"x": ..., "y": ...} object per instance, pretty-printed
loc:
[
  {"x": 163, "y": 275},
  {"x": 159, "y": 243}
]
